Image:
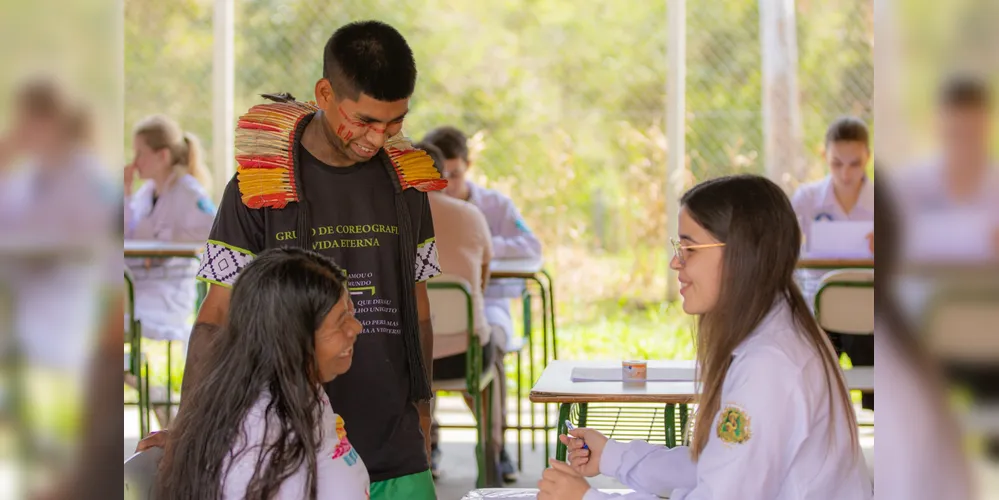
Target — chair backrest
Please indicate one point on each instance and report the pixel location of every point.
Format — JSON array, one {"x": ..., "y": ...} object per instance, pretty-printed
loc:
[
  {"x": 450, "y": 304},
  {"x": 963, "y": 324},
  {"x": 140, "y": 474},
  {"x": 844, "y": 302}
]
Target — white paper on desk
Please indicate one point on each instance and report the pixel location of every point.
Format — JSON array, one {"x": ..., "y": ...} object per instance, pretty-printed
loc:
[
  {"x": 840, "y": 239},
  {"x": 950, "y": 234},
  {"x": 583, "y": 374}
]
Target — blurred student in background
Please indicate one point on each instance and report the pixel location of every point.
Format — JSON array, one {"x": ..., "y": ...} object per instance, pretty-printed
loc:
[
  {"x": 955, "y": 196},
  {"x": 511, "y": 240},
  {"x": 58, "y": 216},
  {"x": 57, "y": 205},
  {"x": 173, "y": 205}
]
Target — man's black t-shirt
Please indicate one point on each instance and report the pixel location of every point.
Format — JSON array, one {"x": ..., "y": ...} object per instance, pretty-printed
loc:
[{"x": 353, "y": 218}]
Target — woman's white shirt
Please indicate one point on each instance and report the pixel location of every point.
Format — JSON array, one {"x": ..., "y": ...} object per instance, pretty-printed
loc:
[
  {"x": 771, "y": 439},
  {"x": 340, "y": 472}
]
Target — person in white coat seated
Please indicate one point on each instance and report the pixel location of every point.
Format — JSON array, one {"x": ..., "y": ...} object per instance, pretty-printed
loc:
[
  {"x": 846, "y": 194},
  {"x": 172, "y": 205},
  {"x": 512, "y": 239},
  {"x": 774, "y": 419}
]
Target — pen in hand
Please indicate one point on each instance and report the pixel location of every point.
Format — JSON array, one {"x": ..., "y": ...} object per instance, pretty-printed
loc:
[{"x": 569, "y": 426}]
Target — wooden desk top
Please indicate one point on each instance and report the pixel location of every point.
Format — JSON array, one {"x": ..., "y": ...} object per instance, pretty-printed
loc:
[
  {"x": 556, "y": 385},
  {"x": 834, "y": 263},
  {"x": 152, "y": 248},
  {"x": 515, "y": 268}
]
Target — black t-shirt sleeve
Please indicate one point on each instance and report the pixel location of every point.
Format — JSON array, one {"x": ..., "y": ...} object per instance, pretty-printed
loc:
[
  {"x": 427, "y": 264},
  {"x": 237, "y": 236}
]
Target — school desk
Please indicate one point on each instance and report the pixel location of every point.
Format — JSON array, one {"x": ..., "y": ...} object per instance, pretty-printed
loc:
[{"x": 656, "y": 411}]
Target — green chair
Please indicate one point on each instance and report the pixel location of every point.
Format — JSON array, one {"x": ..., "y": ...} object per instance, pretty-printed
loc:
[
  {"x": 134, "y": 361},
  {"x": 844, "y": 302},
  {"x": 452, "y": 313}
]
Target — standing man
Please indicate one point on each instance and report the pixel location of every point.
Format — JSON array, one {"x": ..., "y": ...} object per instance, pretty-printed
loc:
[{"x": 338, "y": 177}]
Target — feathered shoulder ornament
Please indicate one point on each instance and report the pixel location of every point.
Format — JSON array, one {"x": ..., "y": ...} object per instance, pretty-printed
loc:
[{"x": 266, "y": 137}]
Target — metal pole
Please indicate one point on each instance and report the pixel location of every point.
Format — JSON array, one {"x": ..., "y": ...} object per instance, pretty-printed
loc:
[
  {"x": 223, "y": 90},
  {"x": 676, "y": 111}
]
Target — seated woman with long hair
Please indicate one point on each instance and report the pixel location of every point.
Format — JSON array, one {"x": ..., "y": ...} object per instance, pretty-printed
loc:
[
  {"x": 774, "y": 419},
  {"x": 260, "y": 425}
]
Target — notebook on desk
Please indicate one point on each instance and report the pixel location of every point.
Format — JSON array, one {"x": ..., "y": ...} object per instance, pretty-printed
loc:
[{"x": 840, "y": 239}]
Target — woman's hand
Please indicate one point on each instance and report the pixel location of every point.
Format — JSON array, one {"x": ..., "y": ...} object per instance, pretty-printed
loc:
[
  {"x": 561, "y": 482},
  {"x": 129, "y": 178},
  {"x": 585, "y": 461}
]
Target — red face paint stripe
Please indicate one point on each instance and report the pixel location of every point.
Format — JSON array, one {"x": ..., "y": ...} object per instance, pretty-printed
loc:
[{"x": 349, "y": 119}]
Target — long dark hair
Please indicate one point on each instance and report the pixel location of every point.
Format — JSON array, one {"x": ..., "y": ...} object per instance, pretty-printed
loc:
[
  {"x": 267, "y": 343},
  {"x": 754, "y": 219}
]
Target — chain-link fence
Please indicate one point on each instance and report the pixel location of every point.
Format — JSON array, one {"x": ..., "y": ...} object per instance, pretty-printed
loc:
[
  {"x": 168, "y": 66},
  {"x": 566, "y": 100}
]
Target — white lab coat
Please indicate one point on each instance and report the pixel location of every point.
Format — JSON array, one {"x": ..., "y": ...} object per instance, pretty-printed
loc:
[
  {"x": 165, "y": 289},
  {"x": 940, "y": 227},
  {"x": 511, "y": 240},
  {"x": 816, "y": 201},
  {"x": 64, "y": 219},
  {"x": 778, "y": 381}
]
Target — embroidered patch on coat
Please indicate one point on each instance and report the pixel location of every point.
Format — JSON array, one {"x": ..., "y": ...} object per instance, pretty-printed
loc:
[{"x": 733, "y": 425}]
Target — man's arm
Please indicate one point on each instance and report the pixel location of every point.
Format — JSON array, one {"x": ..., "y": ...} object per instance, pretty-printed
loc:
[
  {"x": 427, "y": 345},
  {"x": 212, "y": 315}
]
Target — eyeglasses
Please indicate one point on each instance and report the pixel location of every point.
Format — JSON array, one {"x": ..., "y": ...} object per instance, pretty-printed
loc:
[{"x": 680, "y": 250}]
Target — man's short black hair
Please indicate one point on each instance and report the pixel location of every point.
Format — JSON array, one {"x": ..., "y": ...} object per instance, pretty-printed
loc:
[
  {"x": 965, "y": 91},
  {"x": 848, "y": 129},
  {"x": 451, "y": 141},
  {"x": 369, "y": 57},
  {"x": 434, "y": 152}
]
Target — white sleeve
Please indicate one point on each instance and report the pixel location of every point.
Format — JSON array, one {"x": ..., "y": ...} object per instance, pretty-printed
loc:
[
  {"x": 130, "y": 218},
  {"x": 749, "y": 456},
  {"x": 514, "y": 240},
  {"x": 194, "y": 224},
  {"x": 647, "y": 468}
]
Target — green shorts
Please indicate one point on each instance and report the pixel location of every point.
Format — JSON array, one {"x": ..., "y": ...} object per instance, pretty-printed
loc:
[{"x": 419, "y": 486}]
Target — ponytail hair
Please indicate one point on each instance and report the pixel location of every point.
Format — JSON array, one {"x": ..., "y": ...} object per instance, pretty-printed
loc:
[
  {"x": 160, "y": 132},
  {"x": 194, "y": 162}
]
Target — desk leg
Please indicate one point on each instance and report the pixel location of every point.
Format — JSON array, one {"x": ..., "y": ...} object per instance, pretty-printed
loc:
[
  {"x": 526, "y": 306},
  {"x": 684, "y": 432},
  {"x": 582, "y": 414},
  {"x": 560, "y": 449},
  {"x": 528, "y": 329},
  {"x": 544, "y": 359},
  {"x": 670, "y": 426},
  {"x": 551, "y": 311}
]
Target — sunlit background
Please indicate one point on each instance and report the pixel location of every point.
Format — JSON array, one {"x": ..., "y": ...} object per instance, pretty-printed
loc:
[{"x": 567, "y": 103}]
